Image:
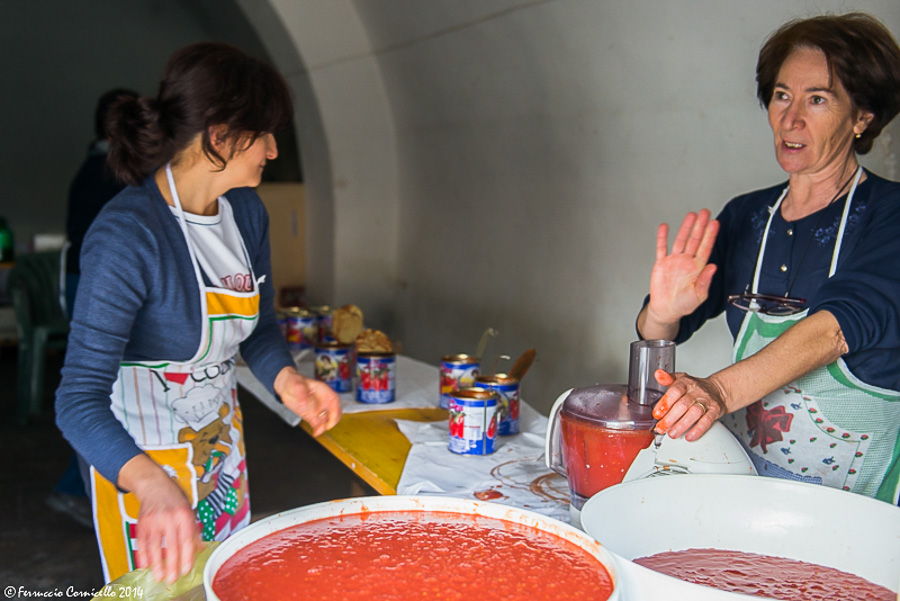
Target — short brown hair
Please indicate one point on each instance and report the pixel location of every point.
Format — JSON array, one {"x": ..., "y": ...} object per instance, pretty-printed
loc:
[{"x": 860, "y": 51}]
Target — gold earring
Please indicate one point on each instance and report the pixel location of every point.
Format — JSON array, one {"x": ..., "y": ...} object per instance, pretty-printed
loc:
[{"x": 858, "y": 135}]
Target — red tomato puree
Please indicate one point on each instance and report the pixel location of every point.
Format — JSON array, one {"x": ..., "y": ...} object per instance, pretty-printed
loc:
[
  {"x": 597, "y": 457},
  {"x": 764, "y": 576},
  {"x": 412, "y": 555}
]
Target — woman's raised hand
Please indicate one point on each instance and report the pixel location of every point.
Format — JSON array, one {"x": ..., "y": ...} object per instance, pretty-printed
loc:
[{"x": 680, "y": 279}]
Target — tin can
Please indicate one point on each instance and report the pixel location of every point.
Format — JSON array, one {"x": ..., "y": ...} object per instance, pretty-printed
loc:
[
  {"x": 325, "y": 319},
  {"x": 281, "y": 316},
  {"x": 508, "y": 409},
  {"x": 457, "y": 371},
  {"x": 333, "y": 366},
  {"x": 473, "y": 421},
  {"x": 376, "y": 377},
  {"x": 302, "y": 328}
]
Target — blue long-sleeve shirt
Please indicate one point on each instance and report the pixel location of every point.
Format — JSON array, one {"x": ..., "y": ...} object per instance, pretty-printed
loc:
[
  {"x": 139, "y": 300},
  {"x": 863, "y": 294}
]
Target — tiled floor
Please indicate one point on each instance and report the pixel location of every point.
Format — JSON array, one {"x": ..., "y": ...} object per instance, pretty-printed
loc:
[{"x": 42, "y": 550}]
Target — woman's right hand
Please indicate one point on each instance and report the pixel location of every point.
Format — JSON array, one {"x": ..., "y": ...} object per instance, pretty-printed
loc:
[
  {"x": 680, "y": 279},
  {"x": 165, "y": 518}
]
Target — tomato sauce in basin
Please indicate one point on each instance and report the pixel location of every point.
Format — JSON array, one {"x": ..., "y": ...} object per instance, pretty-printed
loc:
[
  {"x": 764, "y": 576},
  {"x": 397, "y": 555}
]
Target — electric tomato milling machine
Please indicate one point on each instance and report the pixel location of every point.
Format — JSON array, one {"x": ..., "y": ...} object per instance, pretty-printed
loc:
[{"x": 603, "y": 435}]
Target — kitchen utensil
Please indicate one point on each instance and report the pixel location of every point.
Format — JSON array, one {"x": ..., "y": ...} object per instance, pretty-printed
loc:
[
  {"x": 482, "y": 344},
  {"x": 522, "y": 364},
  {"x": 598, "y": 436}
]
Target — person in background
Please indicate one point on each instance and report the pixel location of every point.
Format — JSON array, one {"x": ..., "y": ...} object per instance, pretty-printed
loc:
[
  {"x": 805, "y": 271},
  {"x": 93, "y": 186},
  {"x": 175, "y": 282}
]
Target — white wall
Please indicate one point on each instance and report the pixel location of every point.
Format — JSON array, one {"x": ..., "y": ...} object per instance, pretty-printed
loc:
[{"x": 517, "y": 156}]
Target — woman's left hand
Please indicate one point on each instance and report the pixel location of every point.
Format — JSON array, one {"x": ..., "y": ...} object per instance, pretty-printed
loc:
[
  {"x": 690, "y": 406},
  {"x": 315, "y": 402}
]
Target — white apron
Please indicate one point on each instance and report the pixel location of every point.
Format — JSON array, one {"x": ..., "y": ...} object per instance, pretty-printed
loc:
[
  {"x": 827, "y": 427},
  {"x": 186, "y": 417}
]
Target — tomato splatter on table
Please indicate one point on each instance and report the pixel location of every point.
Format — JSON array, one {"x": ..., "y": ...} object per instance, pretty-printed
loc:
[
  {"x": 764, "y": 576},
  {"x": 412, "y": 555}
]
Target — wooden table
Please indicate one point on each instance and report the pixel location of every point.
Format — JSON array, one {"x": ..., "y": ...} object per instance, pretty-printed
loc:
[
  {"x": 372, "y": 446},
  {"x": 369, "y": 442}
]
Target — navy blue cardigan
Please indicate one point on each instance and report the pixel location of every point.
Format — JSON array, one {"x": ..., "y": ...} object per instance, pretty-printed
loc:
[{"x": 138, "y": 300}]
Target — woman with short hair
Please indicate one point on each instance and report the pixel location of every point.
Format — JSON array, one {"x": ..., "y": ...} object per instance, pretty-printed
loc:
[{"x": 806, "y": 273}]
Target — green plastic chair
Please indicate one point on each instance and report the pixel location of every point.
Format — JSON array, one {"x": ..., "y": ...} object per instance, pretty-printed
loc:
[{"x": 41, "y": 324}]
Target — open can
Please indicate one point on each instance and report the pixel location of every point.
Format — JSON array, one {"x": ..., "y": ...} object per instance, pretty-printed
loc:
[
  {"x": 376, "y": 378},
  {"x": 333, "y": 366},
  {"x": 508, "y": 410},
  {"x": 473, "y": 421},
  {"x": 302, "y": 328},
  {"x": 324, "y": 319},
  {"x": 457, "y": 371}
]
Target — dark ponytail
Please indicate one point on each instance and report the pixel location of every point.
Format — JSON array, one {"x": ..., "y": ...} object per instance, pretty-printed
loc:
[
  {"x": 203, "y": 85},
  {"x": 137, "y": 142}
]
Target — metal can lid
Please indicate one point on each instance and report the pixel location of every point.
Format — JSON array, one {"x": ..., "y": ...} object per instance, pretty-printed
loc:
[
  {"x": 474, "y": 393},
  {"x": 496, "y": 380},
  {"x": 375, "y": 355},
  {"x": 296, "y": 312},
  {"x": 332, "y": 346},
  {"x": 460, "y": 358},
  {"x": 322, "y": 310}
]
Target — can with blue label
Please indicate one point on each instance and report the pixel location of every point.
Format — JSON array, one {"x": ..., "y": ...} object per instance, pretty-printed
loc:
[
  {"x": 376, "y": 378},
  {"x": 457, "y": 371},
  {"x": 302, "y": 328},
  {"x": 325, "y": 320},
  {"x": 508, "y": 410},
  {"x": 333, "y": 366},
  {"x": 281, "y": 316},
  {"x": 473, "y": 421}
]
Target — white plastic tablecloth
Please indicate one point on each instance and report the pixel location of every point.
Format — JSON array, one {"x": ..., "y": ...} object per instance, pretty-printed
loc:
[
  {"x": 514, "y": 474},
  {"x": 417, "y": 386}
]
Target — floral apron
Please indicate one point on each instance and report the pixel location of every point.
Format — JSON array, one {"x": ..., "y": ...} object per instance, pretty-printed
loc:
[
  {"x": 827, "y": 427},
  {"x": 186, "y": 417}
]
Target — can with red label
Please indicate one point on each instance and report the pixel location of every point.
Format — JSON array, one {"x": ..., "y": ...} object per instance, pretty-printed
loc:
[
  {"x": 457, "y": 371},
  {"x": 508, "y": 409},
  {"x": 324, "y": 318},
  {"x": 376, "y": 377},
  {"x": 473, "y": 421},
  {"x": 302, "y": 328},
  {"x": 333, "y": 366}
]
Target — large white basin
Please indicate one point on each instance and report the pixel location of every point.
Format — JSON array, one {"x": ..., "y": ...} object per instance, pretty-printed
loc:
[
  {"x": 404, "y": 503},
  {"x": 769, "y": 516}
]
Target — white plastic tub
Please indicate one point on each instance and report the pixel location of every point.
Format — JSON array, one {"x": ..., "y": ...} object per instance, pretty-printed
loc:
[
  {"x": 404, "y": 503},
  {"x": 806, "y": 522}
]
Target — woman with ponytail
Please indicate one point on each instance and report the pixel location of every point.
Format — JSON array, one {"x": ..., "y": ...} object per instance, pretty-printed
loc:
[{"x": 175, "y": 282}]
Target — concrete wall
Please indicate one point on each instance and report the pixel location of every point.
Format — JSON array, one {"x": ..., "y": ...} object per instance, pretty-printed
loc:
[
  {"x": 57, "y": 57},
  {"x": 468, "y": 163},
  {"x": 520, "y": 155}
]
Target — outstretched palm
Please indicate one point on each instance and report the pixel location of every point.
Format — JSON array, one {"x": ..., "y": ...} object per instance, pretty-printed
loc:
[{"x": 680, "y": 279}]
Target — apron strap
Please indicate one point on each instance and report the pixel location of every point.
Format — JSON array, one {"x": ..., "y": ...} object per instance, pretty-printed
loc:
[{"x": 837, "y": 244}]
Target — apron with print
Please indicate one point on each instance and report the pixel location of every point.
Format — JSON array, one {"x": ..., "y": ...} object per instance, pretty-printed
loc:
[
  {"x": 827, "y": 427},
  {"x": 186, "y": 417}
]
